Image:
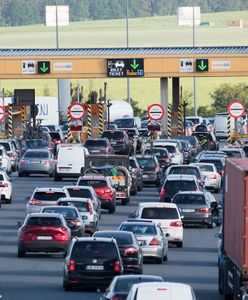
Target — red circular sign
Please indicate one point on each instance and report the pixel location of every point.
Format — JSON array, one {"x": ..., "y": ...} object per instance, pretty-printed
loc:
[
  {"x": 155, "y": 112},
  {"x": 77, "y": 111},
  {"x": 236, "y": 109},
  {"x": 2, "y": 113}
]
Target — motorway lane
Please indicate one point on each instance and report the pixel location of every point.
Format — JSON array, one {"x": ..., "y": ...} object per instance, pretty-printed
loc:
[{"x": 39, "y": 276}]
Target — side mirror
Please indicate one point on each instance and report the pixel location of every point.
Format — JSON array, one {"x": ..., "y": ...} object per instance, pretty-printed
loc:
[
  {"x": 19, "y": 224},
  {"x": 27, "y": 198},
  {"x": 132, "y": 216}
]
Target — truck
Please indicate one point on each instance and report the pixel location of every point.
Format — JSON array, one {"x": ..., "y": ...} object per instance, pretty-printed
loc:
[{"x": 233, "y": 243}]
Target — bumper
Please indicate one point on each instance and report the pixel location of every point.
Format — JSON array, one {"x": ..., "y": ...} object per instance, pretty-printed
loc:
[
  {"x": 131, "y": 265},
  {"x": 105, "y": 204},
  {"x": 67, "y": 175},
  {"x": 44, "y": 246},
  {"x": 39, "y": 169},
  {"x": 152, "y": 251},
  {"x": 204, "y": 219}
]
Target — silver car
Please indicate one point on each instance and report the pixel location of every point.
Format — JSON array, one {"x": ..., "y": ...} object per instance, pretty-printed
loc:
[
  {"x": 38, "y": 161},
  {"x": 11, "y": 151},
  {"x": 150, "y": 237}
]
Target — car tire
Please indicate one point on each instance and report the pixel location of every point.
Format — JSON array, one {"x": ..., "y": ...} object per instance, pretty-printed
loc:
[
  {"x": 159, "y": 260},
  {"x": 124, "y": 201},
  {"x": 20, "y": 253},
  {"x": 211, "y": 225},
  {"x": 67, "y": 287},
  {"x": 180, "y": 244},
  {"x": 165, "y": 258},
  {"x": 20, "y": 174},
  {"x": 8, "y": 201},
  {"x": 111, "y": 210}
]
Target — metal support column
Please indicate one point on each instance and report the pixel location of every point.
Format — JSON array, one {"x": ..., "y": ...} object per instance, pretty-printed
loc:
[
  {"x": 164, "y": 103},
  {"x": 89, "y": 121},
  {"x": 10, "y": 122}
]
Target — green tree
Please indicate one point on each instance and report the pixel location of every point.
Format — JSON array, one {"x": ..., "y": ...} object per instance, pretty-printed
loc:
[{"x": 136, "y": 109}]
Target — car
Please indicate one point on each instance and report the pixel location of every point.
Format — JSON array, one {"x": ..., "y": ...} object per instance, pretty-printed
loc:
[
  {"x": 44, "y": 197},
  {"x": 103, "y": 188},
  {"x": 150, "y": 168},
  {"x": 38, "y": 144},
  {"x": 136, "y": 172},
  {"x": 71, "y": 215},
  {"x": 5, "y": 160},
  {"x": 207, "y": 140},
  {"x": 176, "y": 183},
  {"x": 150, "y": 237},
  {"x": 130, "y": 251},
  {"x": 86, "y": 210},
  {"x": 91, "y": 262},
  {"x": 6, "y": 187},
  {"x": 17, "y": 147},
  {"x": 11, "y": 152},
  {"x": 232, "y": 151},
  {"x": 187, "y": 151},
  {"x": 210, "y": 154},
  {"x": 161, "y": 291},
  {"x": 42, "y": 232},
  {"x": 166, "y": 216},
  {"x": 162, "y": 155},
  {"x": 39, "y": 161},
  {"x": 119, "y": 140},
  {"x": 173, "y": 149},
  {"x": 99, "y": 146},
  {"x": 195, "y": 119},
  {"x": 193, "y": 142},
  {"x": 212, "y": 179},
  {"x": 219, "y": 163},
  {"x": 198, "y": 208},
  {"x": 133, "y": 135},
  {"x": 121, "y": 285}
]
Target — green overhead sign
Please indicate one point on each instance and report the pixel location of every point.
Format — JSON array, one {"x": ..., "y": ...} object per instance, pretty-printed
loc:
[
  {"x": 201, "y": 65},
  {"x": 43, "y": 67}
]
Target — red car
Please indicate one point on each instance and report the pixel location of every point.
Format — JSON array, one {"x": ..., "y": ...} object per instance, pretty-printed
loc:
[
  {"x": 43, "y": 232},
  {"x": 102, "y": 186}
]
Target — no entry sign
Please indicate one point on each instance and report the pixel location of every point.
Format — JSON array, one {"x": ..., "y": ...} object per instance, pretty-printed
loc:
[
  {"x": 77, "y": 111},
  {"x": 155, "y": 112},
  {"x": 2, "y": 113},
  {"x": 236, "y": 109}
]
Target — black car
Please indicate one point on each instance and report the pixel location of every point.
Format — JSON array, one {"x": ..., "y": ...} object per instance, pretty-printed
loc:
[
  {"x": 150, "y": 167},
  {"x": 162, "y": 155},
  {"x": 136, "y": 173},
  {"x": 99, "y": 146},
  {"x": 91, "y": 262},
  {"x": 130, "y": 251},
  {"x": 121, "y": 285},
  {"x": 119, "y": 140}
]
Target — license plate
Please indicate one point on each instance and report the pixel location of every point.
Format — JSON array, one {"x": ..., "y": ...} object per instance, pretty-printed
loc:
[
  {"x": 35, "y": 161},
  {"x": 145, "y": 176},
  {"x": 188, "y": 210},
  {"x": 95, "y": 151},
  {"x": 113, "y": 143},
  {"x": 64, "y": 169},
  {"x": 44, "y": 238},
  {"x": 120, "y": 195},
  {"x": 94, "y": 268}
]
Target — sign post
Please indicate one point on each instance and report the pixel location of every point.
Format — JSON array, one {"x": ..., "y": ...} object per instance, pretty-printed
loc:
[
  {"x": 155, "y": 113},
  {"x": 77, "y": 111},
  {"x": 236, "y": 109}
]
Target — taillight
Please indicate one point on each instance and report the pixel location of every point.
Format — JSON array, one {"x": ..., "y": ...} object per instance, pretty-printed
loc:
[
  {"x": 222, "y": 173},
  {"x": 213, "y": 176},
  {"x": 90, "y": 208},
  {"x": 71, "y": 265},
  {"x": 162, "y": 193},
  {"x": 122, "y": 140},
  {"x": 57, "y": 142},
  {"x": 34, "y": 202},
  {"x": 4, "y": 185},
  {"x": 46, "y": 162},
  {"x": 154, "y": 242},
  {"x": 204, "y": 210},
  {"x": 117, "y": 266},
  {"x": 22, "y": 161},
  {"x": 176, "y": 224},
  {"x": 130, "y": 251},
  {"x": 76, "y": 223},
  {"x": 157, "y": 170},
  {"x": 167, "y": 159}
]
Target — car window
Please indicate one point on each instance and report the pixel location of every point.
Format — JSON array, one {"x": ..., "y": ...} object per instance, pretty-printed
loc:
[
  {"x": 94, "y": 143},
  {"x": 81, "y": 206},
  {"x": 217, "y": 164},
  {"x": 66, "y": 212},
  {"x": 174, "y": 186},
  {"x": 113, "y": 135},
  {"x": 185, "y": 170},
  {"x": 121, "y": 239},
  {"x": 170, "y": 148},
  {"x": 147, "y": 162},
  {"x": 81, "y": 193},
  {"x": 94, "y": 183},
  {"x": 82, "y": 250},
  {"x": 157, "y": 152},
  {"x": 124, "y": 123},
  {"x": 1, "y": 177},
  {"x": 36, "y": 154},
  {"x": 159, "y": 213},
  {"x": 207, "y": 168},
  {"x": 49, "y": 196},
  {"x": 124, "y": 284},
  {"x": 55, "y": 135},
  {"x": 189, "y": 199},
  {"x": 6, "y": 146},
  {"x": 44, "y": 221},
  {"x": 139, "y": 229},
  {"x": 231, "y": 153}
]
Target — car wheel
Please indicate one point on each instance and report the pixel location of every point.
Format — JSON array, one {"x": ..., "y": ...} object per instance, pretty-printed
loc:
[
  {"x": 124, "y": 201},
  {"x": 159, "y": 260},
  {"x": 165, "y": 257},
  {"x": 8, "y": 201},
  {"x": 111, "y": 210},
  {"x": 180, "y": 244},
  {"x": 20, "y": 174},
  {"x": 21, "y": 253},
  {"x": 211, "y": 225},
  {"x": 67, "y": 287}
]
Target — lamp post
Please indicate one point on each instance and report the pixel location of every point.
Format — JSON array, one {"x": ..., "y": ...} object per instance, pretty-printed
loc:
[
  {"x": 127, "y": 45},
  {"x": 195, "y": 101}
]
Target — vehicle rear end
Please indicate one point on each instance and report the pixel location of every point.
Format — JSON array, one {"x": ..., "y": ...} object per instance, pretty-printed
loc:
[{"x": 97, "y": 146}]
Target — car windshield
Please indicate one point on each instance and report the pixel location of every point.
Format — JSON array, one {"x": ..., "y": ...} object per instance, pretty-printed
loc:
[
  {"x": 185, "y": 170},
  {"x": 217, "y": 164},
  {"x": 36, "y": 154},
  {"x": 49, "y": 196},
  {"x": 124, "y": 123},
  {"x": 94, "y": 183},
  {"x": 66, "y": 212},
  {"x": 139, "y": 229},
  {"x": 44, "y": 221},
  {"x": 81, "y": 193},
  {"x": 82, "y": 206},
  {"x": 174, "y": 186},
  {"x": 123, "y": 285},
  {"x": 121, "y": 239},
  {"x": 55, "y": 135},
  {"x": 189, "y": 199},
  {"x": 94, "y": 249},
  {"x": 113, "y": 135},
  {"x": 159, "y": 213},
  {"x": 6, "y": 146},
  {"x": 147, "y": 162},
  {"x": 95, "y": 143}
]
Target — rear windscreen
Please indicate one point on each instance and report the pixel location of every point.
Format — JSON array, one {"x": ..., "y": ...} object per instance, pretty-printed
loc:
[
  {"x": 93, "y": 183},
  {"x": 66, "y": 212},
  {"x": 115, "y": 135},
  {"x": 139, "y": 229},
  {"x": 95, "y": 143},
  {"x": 159, "y": 213},
  {"x": 189, "y": 199},
  {"x": 160, "y": 153},
  {"x": 217, "y": 164},
  {"x": 36, "y": 154},
  {"x": 49, "y": 196},
  {"x": 121, "y": 239},
  {"x": 96, "y": 249},
  {"x": 185, "y": 171},
  {"x": 55, "y": 135},
  {"x": 44, "y": 221},
  {"x": 79, "y": 193},
  {"x": 207, "y": 168},
  {"x": 147, "y": 162},
  {"x": 174, "y": 186}
]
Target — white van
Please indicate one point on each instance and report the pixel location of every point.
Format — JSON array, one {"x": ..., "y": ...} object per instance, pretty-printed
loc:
[
  {"x": 220, "y": 125},
  {"x": 161, "y": 291},
  {"x": 70, "y": 160}
]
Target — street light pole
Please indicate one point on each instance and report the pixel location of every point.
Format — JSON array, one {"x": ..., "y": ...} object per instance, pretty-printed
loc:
[
  {"x": 57, "y": 46},
  {"x": 195, "y": 100},
  {"x": 127, "y": 45}
]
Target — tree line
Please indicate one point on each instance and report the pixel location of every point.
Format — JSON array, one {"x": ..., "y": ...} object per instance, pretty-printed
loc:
[{"x": 25, "y": 12}]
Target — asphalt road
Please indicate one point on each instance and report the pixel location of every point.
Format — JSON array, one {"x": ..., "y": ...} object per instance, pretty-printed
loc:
[{"x": 39, "y": 277}]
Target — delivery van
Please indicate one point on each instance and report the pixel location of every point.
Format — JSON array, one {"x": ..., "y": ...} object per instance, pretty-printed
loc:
[{"x": 220, "y": 125}]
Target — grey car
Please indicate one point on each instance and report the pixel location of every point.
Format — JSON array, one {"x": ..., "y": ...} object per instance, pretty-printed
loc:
[
  {"x": 198, "y": 208},
  {"x": 38, "y": 161}
]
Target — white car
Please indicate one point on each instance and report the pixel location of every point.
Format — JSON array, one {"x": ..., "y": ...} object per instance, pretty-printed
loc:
[
  {"x": 173, "y": 149},
  {"x": 167, "y": 216},
  {"x": 6, "y": 187},
  {"x": 5, "y": 160},
  {"x": 212, "y": 179},
  {"x": 161, "y": 291}
]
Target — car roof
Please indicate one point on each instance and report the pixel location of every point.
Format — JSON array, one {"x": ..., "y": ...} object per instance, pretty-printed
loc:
[
  {"x": 193, "y": 192},
  {"x": 59, "y": 207},
  {"x": 183, "y": 166},
  {"x": 38, "y": 150},
  {"x": 180, "y": 177},
  {"x": 74, "y": 199},
  {"x": 140, "y": 276},
  {"x": 157, "y": 204},
  {"x": 140, "y": 222},
  {"x": 145, "y": 156},
  {"x": 211, "y": 158},
  {"x": 114, "y": 231},
  {"x": 93, "y": 239},
  {"x": 202, "y": 164},
  {"x": 43, "y": 215}
]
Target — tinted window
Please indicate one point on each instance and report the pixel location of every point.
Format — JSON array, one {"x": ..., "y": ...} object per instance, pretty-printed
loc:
[
  {"x": 124, "y": 285},
  {"x": 139, "y": 229},
  {"x": 93, "y": 183},
  {"x": 1, "y": 177},
  {"x": 36, "y": 154},
  {"x": 230, "y": 153},
  {"x": 49, "y": 196},
  {"x": 44, "y": 221},
  {"x": 82, "y": 250},
  {"x": 79, "y": 193},
  {"x": 113, "y": 135},
  {"x": 171, "y": 149},
  {"x": 55, "y": 135},
  {"x": 174, "y": 186},
  {"x": 147, "y": 162},
  {"x": 81, "y": 206},
  {"x": 1, "y": 152},
  {"x": 124, "y": 123},
  {"x": 185, "y": 170},
  {"x": 189, "y": 199},
  {"x": 6, "y": 146},
  {"x": 159, "y": 213},
  {"x": 160, "y": 153},
  {"x": 217, "y": 164},
  {"x": 94, "y": 143},
  {"x": 121, "y": 239},
  {"x": 66, "y": 212},
  {"x": 36, "y": 143}
]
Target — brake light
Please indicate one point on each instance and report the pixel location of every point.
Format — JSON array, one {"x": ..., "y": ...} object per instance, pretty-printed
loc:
[
  {"x": 117, "y": 266},
  {"x": 61, "y": 237},
  {"x": 90, "y": 208},
  {"x": 204, "y": 210},
  {"x": 167, "y": 159},
  {"x": 154, "y": 242},
  {"x": 76, "y": 223},
  {"x": 71, "y": 265},
  {"x": 22, "y": 161},
  {"x": 213, "y": 176},
  {"x": 108, "y": 191},
  {"x": 157, "y": 170},
  {"x": 130, "y": 251},
  {"x": 34, "y": 202},
  {"x": 222, "y": 173},
  {"x": 176, "y": 224},
  {"x": 162, "y": 193},
  {"x": 122, "y": 140},
  {"x": 46, "y": 162},
  {"x": 4, "y": 185},
  {"x": 57, "y": 142}
]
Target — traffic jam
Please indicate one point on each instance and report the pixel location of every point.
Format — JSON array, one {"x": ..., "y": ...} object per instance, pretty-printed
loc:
[{"x": 92, "y": 179}]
